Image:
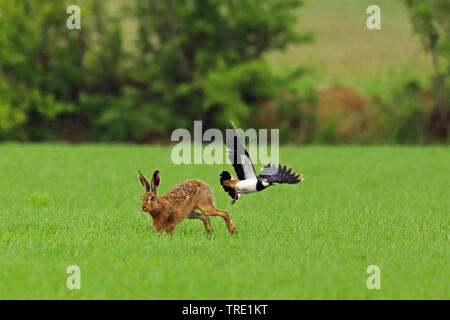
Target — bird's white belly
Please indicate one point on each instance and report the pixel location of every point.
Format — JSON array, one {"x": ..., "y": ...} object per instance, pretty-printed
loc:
[{"x": 247, "y": 186}]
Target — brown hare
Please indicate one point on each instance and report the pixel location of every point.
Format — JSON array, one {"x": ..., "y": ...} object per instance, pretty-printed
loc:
[{"x": 180, "y": 203}]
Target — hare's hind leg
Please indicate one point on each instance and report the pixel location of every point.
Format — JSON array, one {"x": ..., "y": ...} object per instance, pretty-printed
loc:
[
  {"x": 210, "y": 209},
  {"x": 204, "y": 218}
]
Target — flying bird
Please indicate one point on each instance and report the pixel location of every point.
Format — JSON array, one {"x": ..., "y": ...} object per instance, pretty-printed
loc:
[{"x": 247, "y": 181}]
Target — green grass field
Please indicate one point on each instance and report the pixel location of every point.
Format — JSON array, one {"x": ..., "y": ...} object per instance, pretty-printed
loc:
[{"x": 359, "y": 206}]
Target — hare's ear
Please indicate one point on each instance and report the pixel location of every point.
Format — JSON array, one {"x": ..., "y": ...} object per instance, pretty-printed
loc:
[
  {"x": 144, "y": 181},
  {"x": 155, "y": 181}
]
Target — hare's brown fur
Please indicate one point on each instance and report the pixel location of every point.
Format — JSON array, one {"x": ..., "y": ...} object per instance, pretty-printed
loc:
[{"x": 180, "y": 203}]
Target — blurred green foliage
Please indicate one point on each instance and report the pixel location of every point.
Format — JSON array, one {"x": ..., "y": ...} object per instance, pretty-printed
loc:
[
  {"x": 138, "y": 70},
  {"x": 431, "y": 21},
  {"x": 191, "y": 60},
  {"x": 404, "y": 117}
]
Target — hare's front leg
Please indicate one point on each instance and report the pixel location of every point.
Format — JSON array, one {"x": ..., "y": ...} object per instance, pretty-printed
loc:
[
  {"x": 170, "y": 230},
  {"x": 204, "y": 218},
  {"x": 211, "y": 210},
  {"x": 160, "y": 228}
]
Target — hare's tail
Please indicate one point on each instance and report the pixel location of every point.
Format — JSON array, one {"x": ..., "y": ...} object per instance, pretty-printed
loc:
[{"x": 226, "y": 176}]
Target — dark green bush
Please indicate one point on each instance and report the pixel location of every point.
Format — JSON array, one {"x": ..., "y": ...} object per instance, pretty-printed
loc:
[
  {"x": 431, "y": 21},
  {"x": 404, "y": 118},
  {"x": 193, "y": 59}
]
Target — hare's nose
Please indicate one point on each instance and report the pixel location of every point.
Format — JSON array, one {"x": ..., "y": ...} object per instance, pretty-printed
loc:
[{"x": 142, "y": 208}]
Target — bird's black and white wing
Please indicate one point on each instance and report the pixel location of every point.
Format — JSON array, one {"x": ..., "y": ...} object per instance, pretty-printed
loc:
[
  {"x": 238, "y": 156},
  {"x": 280, "y": 174}
]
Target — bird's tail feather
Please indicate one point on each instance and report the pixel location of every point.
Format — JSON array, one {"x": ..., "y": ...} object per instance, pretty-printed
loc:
[{"x": 225, "y": 175}]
